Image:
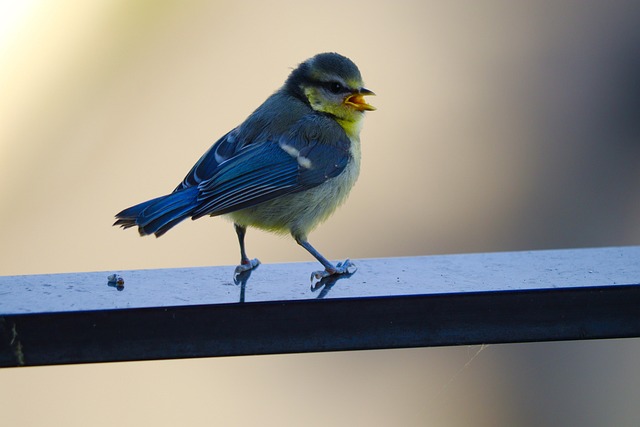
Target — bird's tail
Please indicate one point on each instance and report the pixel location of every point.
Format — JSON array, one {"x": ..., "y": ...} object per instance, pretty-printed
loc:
[{"x": 157, "y": 216}]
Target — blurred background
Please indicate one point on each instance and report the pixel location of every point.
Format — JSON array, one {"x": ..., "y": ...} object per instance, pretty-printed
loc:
[{"x": 501, "y": 125}]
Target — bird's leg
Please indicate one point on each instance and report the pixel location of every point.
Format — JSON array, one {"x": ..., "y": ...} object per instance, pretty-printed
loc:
[
  {"x": 346, "y": 267},
  {"x": 245, "y": 263}
]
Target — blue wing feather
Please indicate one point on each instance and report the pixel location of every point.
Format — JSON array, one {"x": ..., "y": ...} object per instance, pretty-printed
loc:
[
  {"x": 223, "y": 149},
  {"x": 261, "y": 172}
]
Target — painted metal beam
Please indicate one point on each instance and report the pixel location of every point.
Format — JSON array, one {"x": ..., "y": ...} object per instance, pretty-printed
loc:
[{"x": 388, "y": 303}]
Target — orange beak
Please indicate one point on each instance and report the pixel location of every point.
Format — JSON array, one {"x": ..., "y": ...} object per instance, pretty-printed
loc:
[{"x": 356, "y": 100}]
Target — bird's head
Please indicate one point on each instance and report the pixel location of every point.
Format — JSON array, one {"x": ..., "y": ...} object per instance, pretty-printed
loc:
[{"x": 332, "y": 84}]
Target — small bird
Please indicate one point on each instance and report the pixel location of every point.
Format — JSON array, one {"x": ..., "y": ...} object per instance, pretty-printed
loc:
[{"x": 285, "y": 169}]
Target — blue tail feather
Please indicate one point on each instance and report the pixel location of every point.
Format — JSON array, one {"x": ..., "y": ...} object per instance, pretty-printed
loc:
[{"x": 157, "y": 216}]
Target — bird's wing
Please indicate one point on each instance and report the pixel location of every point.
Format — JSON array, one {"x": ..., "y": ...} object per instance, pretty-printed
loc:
[
  {"x": 220, "y": 151},
  {"x": 314, "y": 150}
]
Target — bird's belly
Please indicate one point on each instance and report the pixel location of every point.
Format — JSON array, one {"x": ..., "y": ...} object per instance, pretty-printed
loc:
[{"x": 299, "y": 213}]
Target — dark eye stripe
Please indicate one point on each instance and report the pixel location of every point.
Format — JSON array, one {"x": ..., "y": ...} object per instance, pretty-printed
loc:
[
  {"x": 335, "y": 87},
  {"x": 332, "y": 86}
]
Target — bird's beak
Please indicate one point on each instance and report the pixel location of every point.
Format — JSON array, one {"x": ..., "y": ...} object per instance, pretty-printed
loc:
[{"x": 356, "y": 100}]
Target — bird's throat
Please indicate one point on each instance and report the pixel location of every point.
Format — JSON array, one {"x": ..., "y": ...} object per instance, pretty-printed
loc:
[{"x": 352, "y": 127}]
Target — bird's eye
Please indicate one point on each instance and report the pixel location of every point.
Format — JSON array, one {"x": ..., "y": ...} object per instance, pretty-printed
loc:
[{"x": 335, "y": 87}]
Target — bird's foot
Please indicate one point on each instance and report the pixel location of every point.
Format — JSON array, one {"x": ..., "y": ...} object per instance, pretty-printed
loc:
[
  {"x": 246, "y": 265},
  {"x": 346, "y": 267}
]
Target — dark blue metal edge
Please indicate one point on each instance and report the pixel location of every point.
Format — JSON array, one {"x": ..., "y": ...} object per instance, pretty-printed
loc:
[{"x": 320, "y": 325}]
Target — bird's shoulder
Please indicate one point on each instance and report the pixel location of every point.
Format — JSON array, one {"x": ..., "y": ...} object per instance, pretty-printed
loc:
[
  {"x": 284, "y": 122},
  {"x": 284, "y": 116}
]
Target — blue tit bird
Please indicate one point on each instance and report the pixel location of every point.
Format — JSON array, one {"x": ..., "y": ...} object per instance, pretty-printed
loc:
[{"x": 285, "y": 169}]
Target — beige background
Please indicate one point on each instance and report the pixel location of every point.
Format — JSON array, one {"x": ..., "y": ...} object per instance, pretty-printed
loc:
[{"x": 500, "y": 126}]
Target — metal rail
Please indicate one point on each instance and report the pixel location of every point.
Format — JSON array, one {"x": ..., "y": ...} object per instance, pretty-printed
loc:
[{"x": 388, "y": 303}]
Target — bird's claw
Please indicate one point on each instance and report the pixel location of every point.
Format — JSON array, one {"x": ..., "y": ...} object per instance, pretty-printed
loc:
[
  {"x": 246, "y": 266},
  {"x": 346, "y": 267}
]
